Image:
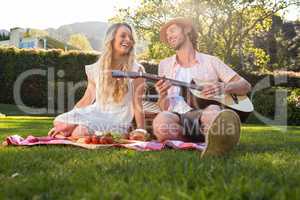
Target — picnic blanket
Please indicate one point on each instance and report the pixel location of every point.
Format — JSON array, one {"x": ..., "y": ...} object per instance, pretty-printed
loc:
[{"x": 17, "y": 140}]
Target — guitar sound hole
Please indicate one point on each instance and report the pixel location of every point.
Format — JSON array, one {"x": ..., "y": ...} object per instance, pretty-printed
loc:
[{"x": 235, "y": 99}]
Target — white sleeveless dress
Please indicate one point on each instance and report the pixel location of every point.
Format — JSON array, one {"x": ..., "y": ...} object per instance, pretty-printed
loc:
[{"x": 115, "y": 117}]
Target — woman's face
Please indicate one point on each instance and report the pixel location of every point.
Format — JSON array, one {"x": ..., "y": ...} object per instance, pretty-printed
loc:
[{"x": 123, "y": 41}]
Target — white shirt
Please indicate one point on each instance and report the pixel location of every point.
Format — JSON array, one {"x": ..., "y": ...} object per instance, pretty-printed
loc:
[
  {"x": 207, "y": 69},
  {"x": 177, "y": 102}
]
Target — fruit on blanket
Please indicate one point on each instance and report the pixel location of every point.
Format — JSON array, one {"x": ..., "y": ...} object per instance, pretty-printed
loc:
[
  {"x": 95, "y": 139},
  {"x": 108, "y": 139},
  {"x": 99, "y": 139},
  {"x": 117, "y": 136},
  {"x": 102, "y": 140},
  {"x": 137, "y": 136},
  {"x": 80, "y": 140},
  {"x": 88, "y": 139}
]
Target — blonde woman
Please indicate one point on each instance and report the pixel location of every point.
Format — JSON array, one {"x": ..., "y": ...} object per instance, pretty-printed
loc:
[{"x": 108, "y": 104}]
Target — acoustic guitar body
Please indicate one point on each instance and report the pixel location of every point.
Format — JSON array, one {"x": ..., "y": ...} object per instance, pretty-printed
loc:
[{"x": 241, "y": 104}]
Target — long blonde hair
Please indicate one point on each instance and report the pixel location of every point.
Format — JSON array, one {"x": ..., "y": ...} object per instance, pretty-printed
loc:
[{"x": 108, "y": 86}]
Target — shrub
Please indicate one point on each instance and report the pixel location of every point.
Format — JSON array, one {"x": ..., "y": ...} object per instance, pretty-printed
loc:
[{"x": 34, "y": 92}]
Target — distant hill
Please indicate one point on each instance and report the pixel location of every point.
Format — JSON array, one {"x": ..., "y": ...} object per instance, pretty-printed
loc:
[{"x": 94, "y": 31}]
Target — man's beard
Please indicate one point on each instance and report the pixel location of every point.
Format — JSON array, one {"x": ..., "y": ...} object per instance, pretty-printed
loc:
[{"x": 179, "y": 45}]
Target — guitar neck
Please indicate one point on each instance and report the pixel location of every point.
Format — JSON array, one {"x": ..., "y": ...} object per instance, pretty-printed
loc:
[
  {"x": 238, "y": 103},
  {"x": 173, "y": 81},
  {"x": 124, "y": 74}
]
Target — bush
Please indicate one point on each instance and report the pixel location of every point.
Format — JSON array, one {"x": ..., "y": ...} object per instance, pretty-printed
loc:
[
  {"x": 294, "y": 107},
  {"x": 34, "y": 92},
  {"x": 265, "y": 104}
]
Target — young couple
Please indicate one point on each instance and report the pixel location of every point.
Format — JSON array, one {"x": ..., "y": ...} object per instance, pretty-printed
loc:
[{"x": 110, "y": 104}]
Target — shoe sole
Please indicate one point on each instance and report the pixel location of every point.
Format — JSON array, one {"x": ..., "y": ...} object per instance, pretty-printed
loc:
[{"x": 223, "y": 134}]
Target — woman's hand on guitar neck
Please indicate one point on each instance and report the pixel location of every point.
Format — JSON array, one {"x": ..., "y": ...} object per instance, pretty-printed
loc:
[
  {"x": 162, "y": 87},
  {"x": 213, "y": 89}
]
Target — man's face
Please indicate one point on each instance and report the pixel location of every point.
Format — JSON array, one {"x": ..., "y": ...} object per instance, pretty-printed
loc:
[{"x": 175, "y": 36}]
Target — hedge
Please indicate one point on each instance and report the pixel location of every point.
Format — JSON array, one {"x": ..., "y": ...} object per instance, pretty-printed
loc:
[
  {"x": 14, "y": 62},
  {"x": 265, "y": 103}
]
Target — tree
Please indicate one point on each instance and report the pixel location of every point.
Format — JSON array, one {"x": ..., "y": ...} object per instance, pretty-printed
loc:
[
  {"x": 226, "y": 27},
  {"x": 282, "y": 43},
  {"x": 3, "y": 36},
  {"x": 80, "y": 41},
  {"x": 147, "y": 20},
  {"x": 35, "y": 33}
]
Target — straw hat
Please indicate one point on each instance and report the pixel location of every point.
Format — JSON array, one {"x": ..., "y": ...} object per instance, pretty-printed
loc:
[{"x": 184, "y": 22}]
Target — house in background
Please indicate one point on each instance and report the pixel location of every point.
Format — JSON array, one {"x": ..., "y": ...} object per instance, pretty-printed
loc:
[{"x": 18, "y": 38}]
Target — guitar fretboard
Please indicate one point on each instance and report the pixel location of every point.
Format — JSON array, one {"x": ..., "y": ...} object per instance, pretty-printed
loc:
[
  {"x": 173, "y": 81},
  {"x": 124, "y": 74}
]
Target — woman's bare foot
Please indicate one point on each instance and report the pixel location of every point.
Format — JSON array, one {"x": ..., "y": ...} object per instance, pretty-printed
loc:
[
  {"x": 52, "y": 131},
  {"x": 57, "y": 134}
]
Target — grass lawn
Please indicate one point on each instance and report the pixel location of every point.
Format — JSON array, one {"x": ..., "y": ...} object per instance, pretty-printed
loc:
[{"x": 266, "y": 165}]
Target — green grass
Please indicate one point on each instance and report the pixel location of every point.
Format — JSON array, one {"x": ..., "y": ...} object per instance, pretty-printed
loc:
[
  {"x": 9, "y": 109},
  {"x": 266, "y": 165},
  {"x": 13, "y": 110}
]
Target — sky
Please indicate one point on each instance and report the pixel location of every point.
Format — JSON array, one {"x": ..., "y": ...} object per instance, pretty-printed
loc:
[{"x": 45, "y": 13}]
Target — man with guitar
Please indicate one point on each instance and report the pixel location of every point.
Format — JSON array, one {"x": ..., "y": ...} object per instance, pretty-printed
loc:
[{"x": 179, "y": 120}]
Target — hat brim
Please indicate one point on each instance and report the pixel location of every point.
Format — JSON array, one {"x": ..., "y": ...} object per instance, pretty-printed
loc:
[{"x": 181, "y": 21}]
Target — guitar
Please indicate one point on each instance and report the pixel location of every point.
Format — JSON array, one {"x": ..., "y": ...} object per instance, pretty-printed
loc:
[{"x": 241, "y": 104}]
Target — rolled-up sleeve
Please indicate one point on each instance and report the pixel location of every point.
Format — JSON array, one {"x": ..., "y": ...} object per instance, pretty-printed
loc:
[{"x": 224, "y": 72}]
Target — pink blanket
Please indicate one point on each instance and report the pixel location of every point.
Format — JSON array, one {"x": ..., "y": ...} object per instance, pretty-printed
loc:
[{"x": 136, "y": 145}]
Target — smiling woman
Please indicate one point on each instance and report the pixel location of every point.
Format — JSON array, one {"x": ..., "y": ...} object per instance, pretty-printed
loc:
[
  {"x": 120, "y": 35},
  {"x": 108, "y": 104}
]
